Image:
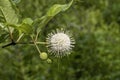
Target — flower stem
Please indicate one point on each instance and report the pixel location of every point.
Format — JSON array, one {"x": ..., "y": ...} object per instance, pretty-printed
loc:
[
  {"x": 20, "y": 37},
  {"x": 30, "y": 43},
  {"x": 36, "y": 44}
]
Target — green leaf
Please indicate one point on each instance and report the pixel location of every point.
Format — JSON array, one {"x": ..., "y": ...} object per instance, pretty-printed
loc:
[
  {"x": 1, "y": 17},
  {"x": 7, "y": 12},
  {"x": 3, "y": 37},
  {"x": 16, "y": 1},
  {"x": 26, "y": 26},
  {"x": 1, "y": 25},
  {"x": 54, "y": 10},
  {"x": 28, "y": 21}
]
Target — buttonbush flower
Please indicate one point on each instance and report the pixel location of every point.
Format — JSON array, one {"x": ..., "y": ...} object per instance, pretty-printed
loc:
[{"x": 60, "y": 43}]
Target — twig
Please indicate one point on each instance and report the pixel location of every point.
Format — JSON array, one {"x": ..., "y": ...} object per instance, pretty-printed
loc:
[
  {"x": 36, "y": 45},
  {"x": 15, "y": 43},
  {"x": 20, "y": 37},
  {"x": 30, "y": 43},
  {"x": 36, "y": 37},
  {"x": 9, "y": 44}
]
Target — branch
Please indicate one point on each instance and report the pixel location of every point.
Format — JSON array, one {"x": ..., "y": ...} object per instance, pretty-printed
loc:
[
  {"x": 9, "y": 44},
  {"x": 36, "y": 44},
  {"x": 20, "y": 37},
  {"x": 31, "y": 42}
]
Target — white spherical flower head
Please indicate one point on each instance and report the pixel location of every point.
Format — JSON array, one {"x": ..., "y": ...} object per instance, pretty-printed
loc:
[{"x": 60, "y": 43}]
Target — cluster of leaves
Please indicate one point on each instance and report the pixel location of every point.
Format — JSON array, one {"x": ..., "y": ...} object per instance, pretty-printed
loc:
[
  {"x": 96, "y": 56},
  {"x": 10, "y": 19}
]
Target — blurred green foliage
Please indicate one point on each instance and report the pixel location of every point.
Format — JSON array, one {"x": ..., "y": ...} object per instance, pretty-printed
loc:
[{"x": 95, "y": 25}]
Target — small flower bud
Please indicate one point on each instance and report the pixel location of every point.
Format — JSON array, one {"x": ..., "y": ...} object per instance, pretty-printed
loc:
[
  {"x": 43, "y": 56},
  {"x": 49, "y": 61}
]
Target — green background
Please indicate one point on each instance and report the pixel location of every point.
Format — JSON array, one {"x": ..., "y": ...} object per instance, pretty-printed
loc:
[{"x": 95, "y": 25}]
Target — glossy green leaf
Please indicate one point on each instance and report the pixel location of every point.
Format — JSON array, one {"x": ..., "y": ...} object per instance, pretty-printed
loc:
[
  {"x": 7, "y": 13},
  {"x": 54, "y": 10},
  {"x": 28, "y": 21},
  {"x": 26, "y": 26}
]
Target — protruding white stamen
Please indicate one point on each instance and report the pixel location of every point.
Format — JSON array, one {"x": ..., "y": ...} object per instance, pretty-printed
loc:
[{"x": 60, "y": 43}]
